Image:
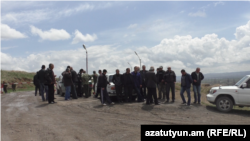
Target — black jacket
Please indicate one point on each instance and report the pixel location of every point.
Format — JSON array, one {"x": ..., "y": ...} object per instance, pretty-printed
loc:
[
  {"x": 102, "y": 83},
  {"x": 150, "y": 79},
  {"x": 35, "y": 80},
  {"x": 143, "y": 76},
  {"x": 117, "y": 79},
  {"x": 160, "y": 76},
  {"x": 67, "y": 79},
  {"x": 74, "y": 76},
  {"x": 79, "y": 77},
  {"x": 41, "y": 75},
  {"x": 170, "y": 77},
  {"x": 194, "y": 77},
  {"x": 128, "y": 80},
  {"x": 48, "y": 77}
]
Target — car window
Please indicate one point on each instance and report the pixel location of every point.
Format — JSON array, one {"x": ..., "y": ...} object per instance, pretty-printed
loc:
[
  {"x": 242, "y": 80},
  {"x": 248, "y": 83},
  {"x": 110, "y": 78}
]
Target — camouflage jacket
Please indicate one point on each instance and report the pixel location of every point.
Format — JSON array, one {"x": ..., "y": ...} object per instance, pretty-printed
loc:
[{"x": 85, "y": 78}]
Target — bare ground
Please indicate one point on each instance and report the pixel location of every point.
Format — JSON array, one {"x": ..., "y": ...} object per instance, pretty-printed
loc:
[{"x": 24, "y": 117}]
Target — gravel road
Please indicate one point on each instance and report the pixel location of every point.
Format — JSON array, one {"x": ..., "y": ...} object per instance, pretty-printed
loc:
[{"x": 26, "y": 118}]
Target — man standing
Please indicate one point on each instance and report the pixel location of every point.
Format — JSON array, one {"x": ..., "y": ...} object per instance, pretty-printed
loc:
[
  {"x": 151, "y": 81},
  {"x": 103, "y": 84},
  {"x": 170, "y": 79},
  {"x": 85, "y": 82},
  {"x": 197, "y": 76},
  {"x": 98, "y": 88},
  {"x": 117, "y": 80},
  {"x": 79, "y": 77},
  {"x": 43, "y": 87},
  {"x": 5, "y": 85},
  {"x": 74, "y": 83},
  {"x": 186, "y": 81},
  {"x": 161, "y": 85},
  {"x": 128, "y": 84},
  {"x": 50, "y": 81},
  {"x": 36, "y": 83},
  {"x": 95, "y": 79},
  {"x": 67, "y": 81},
  {"x": 143, "y": 88},
  {"x": 137, "y": 83}
]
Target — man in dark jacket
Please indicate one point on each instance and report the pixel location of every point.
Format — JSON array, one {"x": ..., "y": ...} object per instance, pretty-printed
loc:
[
  {"x": 74, "y": 80},
  {"x": 103, "y": 84},
  {"x": 161, "y": 85},
  {"x": 98, "y": 89},
  {"x": 67, "y": 81},
  {"x": 79, "y": 82},
  {"x": 197, "y": 76},
  {"x": 128, "y": 84},
  {"x": 143, "y": 88},
  {"x": 36, "y": 83},
  {"x": 170, "y": 79},
  {"x": 151, "y": 81},
  {"x": 41, "y": 78},
  {"x": 117, "y": 80},
  {"x": 137, "y": 83},
  {"x": 50, "y": 81},
  {"x": 186, "y": 81}
]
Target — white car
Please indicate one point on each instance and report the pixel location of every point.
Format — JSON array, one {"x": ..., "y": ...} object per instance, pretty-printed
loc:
[
  {"x": 225, "y": 97},
  {"x": 111, "y": 88}
]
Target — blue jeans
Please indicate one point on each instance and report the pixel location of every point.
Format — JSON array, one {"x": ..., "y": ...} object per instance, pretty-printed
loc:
[
  {"x": 197, "y": 91},
  {"x": 183, "y": 89},
  {"x": 42, "y": 89},
  {"x": 67, "y": 92},
  {"x": 139, "y": 97}
]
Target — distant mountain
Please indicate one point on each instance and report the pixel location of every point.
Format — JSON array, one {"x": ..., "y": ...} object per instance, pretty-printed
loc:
[{"x": 227, "y": 75}]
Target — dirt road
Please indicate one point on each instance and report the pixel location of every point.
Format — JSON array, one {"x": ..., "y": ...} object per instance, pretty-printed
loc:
[{"x": 26, "y": 118}]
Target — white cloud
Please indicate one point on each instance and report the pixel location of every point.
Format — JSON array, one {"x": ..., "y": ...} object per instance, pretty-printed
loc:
[
  {"x": 79, "y": 37},
  {"x": 210, "y": 53},
  {"x": 132, "y": 26},
  {"x": 218, "y": 3},
  {"x": 52, "y": 34},
  {"x": 10, "y": 33},
  {"x": 182, "y": 11},
  {"x": 197, "y": 14}
]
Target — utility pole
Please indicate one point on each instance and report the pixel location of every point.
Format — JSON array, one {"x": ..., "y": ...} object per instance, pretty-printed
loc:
[
  {"x": 86, "y": 58},
  {"x": 139, "y": 59}
]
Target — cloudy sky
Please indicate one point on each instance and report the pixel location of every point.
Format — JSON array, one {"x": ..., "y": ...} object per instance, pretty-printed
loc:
[{"x": 214, "y": 36}]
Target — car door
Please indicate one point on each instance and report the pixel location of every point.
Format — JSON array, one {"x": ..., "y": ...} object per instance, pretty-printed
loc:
[{"x": 244, "y": 94}]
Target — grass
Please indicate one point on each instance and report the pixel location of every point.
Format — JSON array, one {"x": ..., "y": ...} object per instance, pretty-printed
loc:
[
  {"x": 21, "y": 89},
  {"x": 15, "y": 76}
]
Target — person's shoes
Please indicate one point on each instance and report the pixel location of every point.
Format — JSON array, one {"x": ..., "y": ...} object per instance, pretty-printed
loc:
[
  {"x": 148, "y": 103},
  {"x": 188, "y": 105},
  {"x": 167, "y": 101},
  {"x": 50, "y": 103},
  {"x": 194, "y": 102},
  {"x": 54, "y": 102},
  {"x": 184, "y": 103},
  {"x": 172, "y": 101},
  {"x": 112, "y": 103},
  {"x": 104, "y": 104}
]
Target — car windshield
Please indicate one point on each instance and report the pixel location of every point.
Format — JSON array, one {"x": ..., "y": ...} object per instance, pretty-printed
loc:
[
  {"x": 110, "y": 78},
  {"x": 242, "y": 80}
]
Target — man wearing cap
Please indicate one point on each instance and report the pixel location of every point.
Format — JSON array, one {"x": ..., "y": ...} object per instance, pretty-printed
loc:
[
  {"x": 186, "y": 81},
  {"x": 103, "y": 84},
  {"x": 170, "y": 79},
  {"x": 137, "y": 83},
  {"x": 85, "y": 81},
  {"x": 161, "y": 85},
  {"x": 40, "y": 77}
]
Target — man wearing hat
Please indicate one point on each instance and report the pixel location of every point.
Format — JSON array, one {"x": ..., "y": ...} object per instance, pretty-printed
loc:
[{"x": 161, "y": 85}]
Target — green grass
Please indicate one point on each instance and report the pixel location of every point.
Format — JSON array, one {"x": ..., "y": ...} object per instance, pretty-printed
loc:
[
  {"x": 21, "y": 89},
  {"x": 16, "y": 76}
]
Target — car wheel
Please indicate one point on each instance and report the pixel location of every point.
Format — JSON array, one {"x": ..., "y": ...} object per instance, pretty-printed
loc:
[{"x": 224, "y": 104}]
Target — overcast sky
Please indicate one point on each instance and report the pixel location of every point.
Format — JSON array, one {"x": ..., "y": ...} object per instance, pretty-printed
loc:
[{"x": 214, "y": 36}]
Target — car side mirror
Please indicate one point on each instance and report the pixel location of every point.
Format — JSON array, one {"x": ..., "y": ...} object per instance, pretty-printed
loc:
[{"x": 244, "y": 85}]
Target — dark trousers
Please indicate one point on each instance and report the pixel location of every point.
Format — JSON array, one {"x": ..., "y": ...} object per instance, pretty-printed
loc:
[
  {"x": 104, "y": 96},
  {"x": 143, "y": 92},
  {"x": 118, "y": 90},
  {"x": 172, "y": 87},
  {"x": 139, "y": 97},
  {"x": 5, "y": 88},
  {"x": 13, "y": 87},
  {"x": 79, "y": 92},
  {"x": 51, "y": 93},
  {"x": 128, "y": 93},
  {"x": 73, "y": 90},
  {"x": 151, "y": 92},
  {"x": 86, "y": 90},
  {"x": 98, "y": 91},
  {"x": 37, "y": 88}
]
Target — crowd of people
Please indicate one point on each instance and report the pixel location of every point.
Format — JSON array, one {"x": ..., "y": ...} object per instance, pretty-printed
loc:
[{"x": 143, "y": 82}]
